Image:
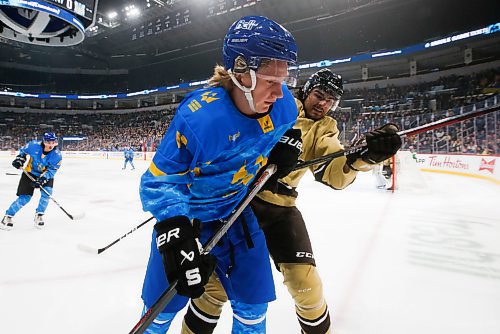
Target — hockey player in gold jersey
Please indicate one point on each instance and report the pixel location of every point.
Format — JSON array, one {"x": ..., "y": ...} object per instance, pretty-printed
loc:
[{"x": 285, "y": 230}]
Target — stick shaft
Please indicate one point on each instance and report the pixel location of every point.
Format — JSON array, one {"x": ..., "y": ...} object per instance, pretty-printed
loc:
[
  {"x": 447, "y": 121},
  {"x": 410, "y": 132},
  {"x": 48, "y": 194},
  {"x": 100, "y": 250}
]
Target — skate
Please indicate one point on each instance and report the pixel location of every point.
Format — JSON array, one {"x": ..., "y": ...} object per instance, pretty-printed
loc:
[
  {"x": 6, "y": 223},
  {"x": 39, "y": 223}
]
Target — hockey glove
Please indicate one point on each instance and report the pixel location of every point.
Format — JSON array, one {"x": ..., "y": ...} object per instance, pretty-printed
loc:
[
  {"x": 18, "y": 162},
  {"x": 41, "y": 181},
  {"x": 381, "y": 144},
  {"x": 176, "y": 242},
  {"x": 285, "y": 155}
]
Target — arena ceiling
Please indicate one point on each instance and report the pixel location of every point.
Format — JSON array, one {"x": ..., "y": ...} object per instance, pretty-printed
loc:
[{"x": 182, "y": 39}]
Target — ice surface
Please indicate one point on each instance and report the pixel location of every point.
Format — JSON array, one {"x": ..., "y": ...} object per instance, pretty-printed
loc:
[{"x": 390, "y": 263}]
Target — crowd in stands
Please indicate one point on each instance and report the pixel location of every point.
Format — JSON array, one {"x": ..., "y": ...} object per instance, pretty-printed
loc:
[
  {"x": 445, "y": 93},
  {"x": 362, "y": 110},
  {"x": 411, "y": 106},
  {"x": 90, "y": 132}
]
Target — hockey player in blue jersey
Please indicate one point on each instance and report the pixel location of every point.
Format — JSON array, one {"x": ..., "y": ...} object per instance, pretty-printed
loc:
[
  {"x": 286, "y": 232},
  {"x": 218, "y": 141},
  {"x": 128, "y": 154},
  {"x": 45, "y": 159}
]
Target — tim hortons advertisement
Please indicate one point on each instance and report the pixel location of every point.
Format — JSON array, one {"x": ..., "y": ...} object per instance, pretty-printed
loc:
[{"x": 479, "y": 166}]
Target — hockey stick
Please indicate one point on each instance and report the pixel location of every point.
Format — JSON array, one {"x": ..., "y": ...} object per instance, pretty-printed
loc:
[
  {"x": 11, "y": 174},
  {"x": 167, "y": 296},
  {"x": 73, "y": 217},
  {"x": 100, "y": 250},
  {"x": 410, "y": 132}
]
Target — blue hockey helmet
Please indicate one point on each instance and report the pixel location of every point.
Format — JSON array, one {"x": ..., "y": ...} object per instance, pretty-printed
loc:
[
  {"x": 255, "y": 38},
  {"x": 49, "y": 136}
]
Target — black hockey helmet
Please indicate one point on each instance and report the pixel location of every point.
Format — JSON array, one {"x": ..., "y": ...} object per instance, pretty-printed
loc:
[{"x": 327, "y": 81}]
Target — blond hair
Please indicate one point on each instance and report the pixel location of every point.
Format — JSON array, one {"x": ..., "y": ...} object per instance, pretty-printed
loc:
[{"x": 221, "y": 78}]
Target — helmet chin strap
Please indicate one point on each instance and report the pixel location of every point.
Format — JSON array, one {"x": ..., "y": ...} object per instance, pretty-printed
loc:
[{"x": 247, "y": 91}]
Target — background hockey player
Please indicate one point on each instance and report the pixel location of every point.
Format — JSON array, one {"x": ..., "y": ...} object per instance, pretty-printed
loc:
[
  {"x": 128, "y": 154},
  {"x": 383, "y": 173},
  {"x": 219, "y": 139},
  {"x": 285, "y": 230},
  {"x": 44, "y": 161}
]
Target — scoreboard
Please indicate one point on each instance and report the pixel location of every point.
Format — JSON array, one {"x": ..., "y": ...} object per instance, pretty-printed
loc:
[
  {"x": 60, "y": 19},
  {"x": 219, "y": 7},
  {"x": 83, "y": 8}
]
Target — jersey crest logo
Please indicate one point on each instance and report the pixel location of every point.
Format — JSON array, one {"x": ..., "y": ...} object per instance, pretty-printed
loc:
[
  {"x": 209, "y": 97},
  {"x": 234, "y": 137},
  {"x": 266, "y": 124}
]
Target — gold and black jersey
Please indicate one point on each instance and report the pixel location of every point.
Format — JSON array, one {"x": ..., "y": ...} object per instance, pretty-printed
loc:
[{"x": 319, "y": 138}]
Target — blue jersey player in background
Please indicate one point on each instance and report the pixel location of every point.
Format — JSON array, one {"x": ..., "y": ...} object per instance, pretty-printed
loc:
[
  {"x": 44, "y": 161},
  {"x": 128, "y": 154},
  {"x": 218, "y": 141}
]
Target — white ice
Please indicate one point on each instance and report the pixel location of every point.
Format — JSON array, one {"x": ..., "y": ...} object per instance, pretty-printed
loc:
[{"x": 413, "y": 263}]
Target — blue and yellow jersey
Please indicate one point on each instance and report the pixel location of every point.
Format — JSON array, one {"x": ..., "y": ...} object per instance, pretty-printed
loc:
[
  {"x": 210, "y": 154},
  {"x": 39, "y": 163},
  {"x": 128, "y": 154}
]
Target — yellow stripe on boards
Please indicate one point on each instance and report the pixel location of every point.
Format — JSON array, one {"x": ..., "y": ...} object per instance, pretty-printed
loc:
[{"x": 482, "y": 177}]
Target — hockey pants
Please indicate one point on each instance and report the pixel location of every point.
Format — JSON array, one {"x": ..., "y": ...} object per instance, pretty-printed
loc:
[{"x": 304, "y": 285}]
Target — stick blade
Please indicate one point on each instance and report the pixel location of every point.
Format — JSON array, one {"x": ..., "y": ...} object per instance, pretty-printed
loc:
[
  {"x": 78, "y": 216},
  {"x": 88, "y": 249}
]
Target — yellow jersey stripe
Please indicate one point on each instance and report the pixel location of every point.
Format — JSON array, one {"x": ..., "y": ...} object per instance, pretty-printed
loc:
[{"x": 155, "y": 170}]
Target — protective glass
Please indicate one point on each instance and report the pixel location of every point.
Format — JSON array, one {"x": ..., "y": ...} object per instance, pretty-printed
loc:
[{"x": 290, "y": 80}]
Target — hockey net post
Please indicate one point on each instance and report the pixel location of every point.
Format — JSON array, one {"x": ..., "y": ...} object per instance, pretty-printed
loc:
[{"x": 406, "y": 174}]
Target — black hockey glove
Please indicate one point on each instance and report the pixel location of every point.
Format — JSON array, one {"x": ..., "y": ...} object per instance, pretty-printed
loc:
[
  {"x": 41, "y": 181},
  {"x": 285, "y": 155},
  {"x": 381, "y": 144},
  {"x": 176, "y": 242},
  {"x": 18, "y": 162}
]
